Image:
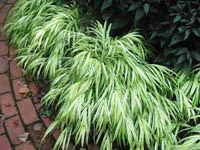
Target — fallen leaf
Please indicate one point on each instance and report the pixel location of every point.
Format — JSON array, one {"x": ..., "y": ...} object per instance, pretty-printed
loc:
[
  {"x": 24, "y": 90},
  {"x": 23, "y": 137},
  {"x": 37, "y": 126}
]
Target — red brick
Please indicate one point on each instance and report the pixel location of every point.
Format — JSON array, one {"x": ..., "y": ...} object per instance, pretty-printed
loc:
[
  {"x": 34, "y": 91},
  {"x": 38, "y": 106},
  {"x": 6, "y": 8},
  {"x": 2, "y": 17},
  {"x": 33, "y": 88},
  {"x": 11, "y": 1},
  {"x": 14, "y": 128},
  {"x": 7, "y": 105},
  {"x": 1, "y": 4},
  {"x": 12, "y": 53},
  {"x": 2, "y": 129},
  {"x": 15, "y": 70},
  {"x": 25, "y": 146},
  {"x": 4, "y": 83},
  {"x": 37, "y": 136},
  {"x": 27, "y": 111},
  {"x": 56, "y": 134},
  {"x": 4, "y": 143},
  {"x": 36, "y": 99},
  {"x": 4, "y": 64},
  {"x": 2, "y": 37},
  {"x": 17, "y": 84},
  {"x": 3, "y": 48},
  {"x": 47, "y": 121}
]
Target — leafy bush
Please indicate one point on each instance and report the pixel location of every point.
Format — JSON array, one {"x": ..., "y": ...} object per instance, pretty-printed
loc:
[
  {"x": 120, "y": 13},
  {"x": 179, "y": 34}
]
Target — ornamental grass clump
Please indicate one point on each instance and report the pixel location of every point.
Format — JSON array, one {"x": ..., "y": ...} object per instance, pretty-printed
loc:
[
  {"x": 107, "y": 89},
  {"x": 24, "y": 17},
  {"x": 190, "y": 85},
  {"x": 191, "y": 140},
  {"x": 102, "y": 87},
  {"x": 51, "y": 44},
  {"x": 43, "y": 35}
]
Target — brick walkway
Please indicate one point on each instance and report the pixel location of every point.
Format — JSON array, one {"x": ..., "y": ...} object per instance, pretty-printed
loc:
[{"x": 18, "y": 115}]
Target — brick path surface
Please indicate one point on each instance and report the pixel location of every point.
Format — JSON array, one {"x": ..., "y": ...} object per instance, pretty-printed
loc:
[{"x": 18, "y": 114}]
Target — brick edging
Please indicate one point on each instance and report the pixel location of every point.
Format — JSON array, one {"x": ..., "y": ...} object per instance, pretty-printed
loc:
[{"x": 20, "y": 113}]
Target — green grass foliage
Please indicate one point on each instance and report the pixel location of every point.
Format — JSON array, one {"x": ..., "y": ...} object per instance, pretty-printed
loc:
[
  {"x": 102, "y": 87},
  {"x": 43, "y": 34}
]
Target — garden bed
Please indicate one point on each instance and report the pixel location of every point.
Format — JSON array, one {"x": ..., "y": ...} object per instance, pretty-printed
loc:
[{"x": 102, "y": 88}]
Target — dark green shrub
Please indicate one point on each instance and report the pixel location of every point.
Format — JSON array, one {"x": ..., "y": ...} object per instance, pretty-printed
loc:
[
  {"x": 121, "y": 13},
  {"x": 172, "y": 27},
  {"x": 179, "y": 35}
]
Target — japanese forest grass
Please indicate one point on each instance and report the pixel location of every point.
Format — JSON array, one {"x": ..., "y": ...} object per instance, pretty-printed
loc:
[
  {"x": 114, "y": 93},
  {"x": 189, "y": 84},
  {"x": 101, "y": 86},
  {"x": 43, "y": 34}
]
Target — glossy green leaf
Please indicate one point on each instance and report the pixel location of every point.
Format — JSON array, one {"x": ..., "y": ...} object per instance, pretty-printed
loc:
[
  {"x": 196, "y": 31},
  {"x": 181, "y": 51},
  {"x": 139, "y": 14},
  {"x": 196, "y": 56},
  {"x": 187, "y": 34},
  {"x": 120, "y": 22},
  {"x": 133, "y": 7},
  {"x": 146, "y": 8},
  {"x": 106, "y": 4},
  {"x": 175, "y": 39},
  {"x": 176, "y": 19},
  {"x": 182, "y": 29},
  {"x": 107, "y": 14},
  {"x": 181, "y": 59}
]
